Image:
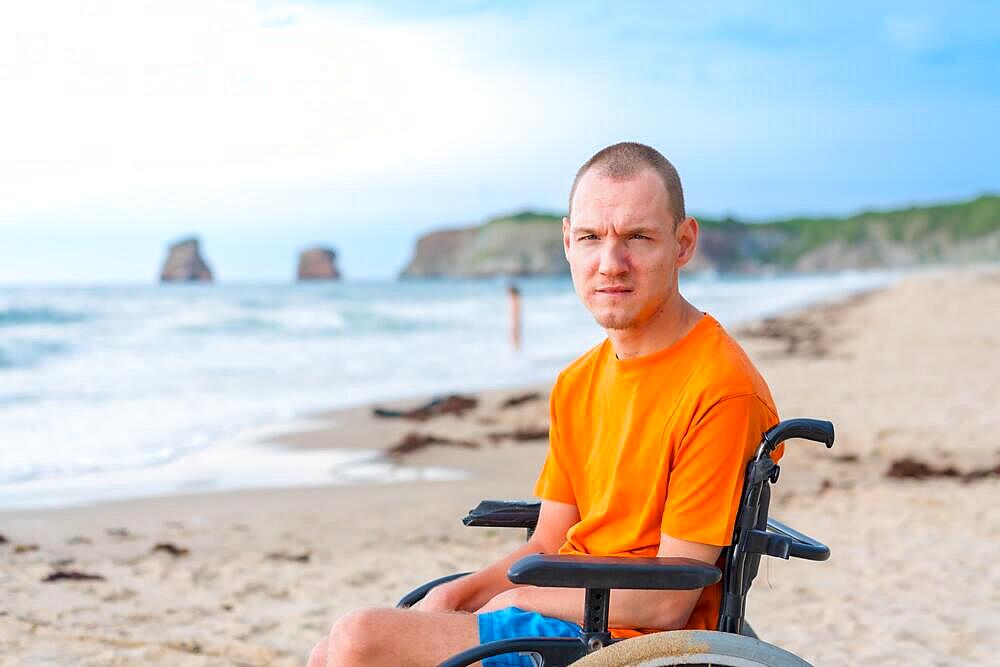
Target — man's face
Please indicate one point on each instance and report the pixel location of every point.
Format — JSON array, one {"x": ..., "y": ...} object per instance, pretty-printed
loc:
[{"x": 623, "y": 248}]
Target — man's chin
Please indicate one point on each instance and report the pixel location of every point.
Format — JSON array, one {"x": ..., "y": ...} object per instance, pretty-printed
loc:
[{"x": 615, "y": 321}]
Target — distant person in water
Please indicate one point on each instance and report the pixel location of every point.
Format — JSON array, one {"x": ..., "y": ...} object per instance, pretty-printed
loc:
[
  {"x": 649, "y": 436},
  {"x": 514, "y": 298}
]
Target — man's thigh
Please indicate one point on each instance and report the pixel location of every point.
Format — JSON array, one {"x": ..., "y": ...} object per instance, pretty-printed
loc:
[{"x": 400, "y": 636}]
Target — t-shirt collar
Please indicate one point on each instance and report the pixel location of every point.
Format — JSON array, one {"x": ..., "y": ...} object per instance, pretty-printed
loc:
[{"x": 645, "y": 361}]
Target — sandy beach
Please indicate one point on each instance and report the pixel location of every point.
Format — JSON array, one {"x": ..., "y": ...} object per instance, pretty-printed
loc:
[{"x": 255, "y": 578}]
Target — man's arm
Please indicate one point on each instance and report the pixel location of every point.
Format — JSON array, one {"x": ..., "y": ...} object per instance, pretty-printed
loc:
[
  {"x": 471, "y": 592},
  {"x": 666, "y": 610}
]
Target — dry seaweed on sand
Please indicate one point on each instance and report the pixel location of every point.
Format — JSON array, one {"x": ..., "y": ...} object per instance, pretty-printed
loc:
[
  {"x": 71, "y": 575},
  {"x": 171, "y": 548},
  {"x": 290, "y": 557},
  {"x": 454, "y": 404},
  {"x": 120, "y": 532},
  {"x": 801, "y": 336},
  {"x": 909, "y": 467},
  {"x": 413, "y": 442},
  {"x": 520, "y": 399},
  {"x": 521, "y": 435}
]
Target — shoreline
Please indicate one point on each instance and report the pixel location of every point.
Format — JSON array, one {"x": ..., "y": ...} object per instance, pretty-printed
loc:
[
  {"x": 260, "y": 574},
  {"x": 251, "y": 457}
]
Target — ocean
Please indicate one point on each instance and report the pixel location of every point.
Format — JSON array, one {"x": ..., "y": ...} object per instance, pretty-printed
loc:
[{"x": 115, "y": 391}]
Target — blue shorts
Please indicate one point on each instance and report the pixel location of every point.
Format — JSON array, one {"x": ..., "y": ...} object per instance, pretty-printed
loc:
[{"x": 513, "y": 622}]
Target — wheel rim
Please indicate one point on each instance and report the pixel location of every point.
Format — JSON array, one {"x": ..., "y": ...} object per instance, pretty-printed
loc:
[{"x": 691, "y": 647}]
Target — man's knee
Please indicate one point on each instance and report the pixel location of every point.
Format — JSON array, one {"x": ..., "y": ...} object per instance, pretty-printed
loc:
[
  {"x": 354, "y": 638},
  {"x": 318, "y": 656}
]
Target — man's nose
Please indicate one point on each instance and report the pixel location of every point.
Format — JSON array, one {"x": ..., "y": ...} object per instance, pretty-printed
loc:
[{"x": 614, "y": 260}]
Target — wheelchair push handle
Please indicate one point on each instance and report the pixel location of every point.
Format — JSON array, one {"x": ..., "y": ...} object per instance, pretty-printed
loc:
[{"x": 817, "y": 430}]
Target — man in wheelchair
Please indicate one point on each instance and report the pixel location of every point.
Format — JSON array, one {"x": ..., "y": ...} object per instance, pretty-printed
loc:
[{"x": 650, "y": 435}]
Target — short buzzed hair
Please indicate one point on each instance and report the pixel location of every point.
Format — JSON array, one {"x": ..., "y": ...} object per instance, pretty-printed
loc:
[{"x": 624, "y": 160}]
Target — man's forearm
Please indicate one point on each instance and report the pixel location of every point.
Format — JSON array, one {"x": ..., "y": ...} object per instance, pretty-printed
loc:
[
  {"x": 483, "y": 585},
  {"x": 665, "y": 610}
]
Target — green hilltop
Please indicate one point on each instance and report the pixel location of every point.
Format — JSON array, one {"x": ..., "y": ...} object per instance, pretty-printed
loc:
[
  {"x": 925, "y": 233},
  {"x": 526, "y": 217}
]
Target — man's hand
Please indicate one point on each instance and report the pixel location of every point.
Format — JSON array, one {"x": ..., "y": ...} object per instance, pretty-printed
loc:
[
  {"x": 478, "y": 589},
  {"x": 445, "y": 597},
  {"x": 508, "y": 598}
]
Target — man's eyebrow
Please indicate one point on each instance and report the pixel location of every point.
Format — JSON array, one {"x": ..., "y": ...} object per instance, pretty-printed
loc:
[{"x": 588, "y": 229}]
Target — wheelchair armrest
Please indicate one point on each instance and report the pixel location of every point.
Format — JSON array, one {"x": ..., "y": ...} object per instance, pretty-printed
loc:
[
  {"x": 613, "y": 572},
  {"x": 800, "y": 545},
  {"x": 504, "y": 514}
]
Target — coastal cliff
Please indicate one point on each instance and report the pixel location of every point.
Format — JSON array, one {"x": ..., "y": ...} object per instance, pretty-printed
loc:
[
  {"x": 524, "y": 244},
  {"x": 530, "y": 243}
]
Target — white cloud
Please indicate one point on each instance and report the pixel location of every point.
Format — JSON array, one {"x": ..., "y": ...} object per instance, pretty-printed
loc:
[
  {"x": 104, "y": 98},
  {"x": 304, "y": 121}
]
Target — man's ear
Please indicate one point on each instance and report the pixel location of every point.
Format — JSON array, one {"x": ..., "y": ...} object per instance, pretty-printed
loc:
[
  {"x": 687, "y": 240},
  {"x": 565, "y": 231}
]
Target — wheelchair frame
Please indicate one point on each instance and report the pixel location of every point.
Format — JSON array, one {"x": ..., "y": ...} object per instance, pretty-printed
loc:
[{"x": 754, "y": 535}]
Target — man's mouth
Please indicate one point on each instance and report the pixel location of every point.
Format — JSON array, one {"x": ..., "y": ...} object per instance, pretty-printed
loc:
[{"x": 613, "y": 289}]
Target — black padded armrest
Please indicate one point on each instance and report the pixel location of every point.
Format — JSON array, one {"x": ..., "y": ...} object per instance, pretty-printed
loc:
[
  {"x": 800, "y": 545},
  {"x": 613, "y": 572},
  {"x": 504, "y": 514}
]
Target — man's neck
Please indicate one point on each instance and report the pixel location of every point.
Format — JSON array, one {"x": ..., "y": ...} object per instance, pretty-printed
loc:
[{"x": 671, "y": 323}]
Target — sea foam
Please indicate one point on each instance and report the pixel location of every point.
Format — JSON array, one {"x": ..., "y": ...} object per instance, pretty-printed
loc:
[{"x": 131, "y": 378}]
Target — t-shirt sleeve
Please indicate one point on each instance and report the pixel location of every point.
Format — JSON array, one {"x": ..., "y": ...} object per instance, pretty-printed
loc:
[
  {"x": 706, "y": 476},
  {"x": 554, "y": 481}
]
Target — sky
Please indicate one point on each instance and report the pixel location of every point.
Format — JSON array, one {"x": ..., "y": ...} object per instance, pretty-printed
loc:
[{"x": 267, "y": 127}]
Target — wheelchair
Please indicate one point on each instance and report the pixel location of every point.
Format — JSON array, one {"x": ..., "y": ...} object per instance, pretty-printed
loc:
[{"x": 733, "y": 644}]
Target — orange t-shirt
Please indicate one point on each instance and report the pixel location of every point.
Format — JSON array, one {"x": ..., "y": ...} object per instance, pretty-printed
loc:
[{"x": 656, "y": 444}]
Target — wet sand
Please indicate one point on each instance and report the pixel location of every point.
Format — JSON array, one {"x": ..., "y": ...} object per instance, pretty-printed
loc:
[{"x": 255, "y": 577}]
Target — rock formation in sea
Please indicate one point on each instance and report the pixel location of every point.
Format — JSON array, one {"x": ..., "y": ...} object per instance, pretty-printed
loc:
[
  {"x": 185, "y": 264},
  {"x": 318, "y": 263}
]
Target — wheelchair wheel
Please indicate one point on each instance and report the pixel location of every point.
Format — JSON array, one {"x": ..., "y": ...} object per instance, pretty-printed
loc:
[{"x": 691, "y": 647}]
